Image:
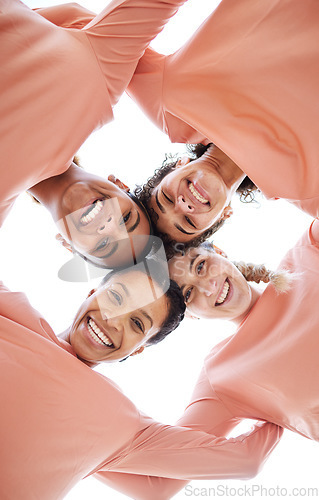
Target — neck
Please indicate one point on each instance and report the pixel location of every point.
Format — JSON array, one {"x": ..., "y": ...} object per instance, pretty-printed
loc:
[
  {"x": 50, "y": 191},
  {"x": 255, "y": 294},
  {"x": 65, "y": 335},
  {"x": 231, "y": 174}
]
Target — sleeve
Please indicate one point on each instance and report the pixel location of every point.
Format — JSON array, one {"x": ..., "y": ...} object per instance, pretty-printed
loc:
[
  {"x": 186, "y": 452},
  {"x": 118, "y": 35},
  {"x": 68, "y": 15},
  {"x": 146, "y": 89}
]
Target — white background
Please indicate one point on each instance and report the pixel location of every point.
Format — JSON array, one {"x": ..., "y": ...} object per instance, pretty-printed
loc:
[{"x": 160, "y": 380}]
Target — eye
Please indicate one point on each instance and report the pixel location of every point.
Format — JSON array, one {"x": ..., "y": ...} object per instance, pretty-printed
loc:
[
  {"x": 102, "y": 244},
  {"x": 191, "y": 223},
  {"x": 139, "y": 324},
  {"x": 116, "y": 297},
  {"x": 187, "y": 295},
  {"x": 166, "y": 197},
  {"x": 200, "y": 266},
  {"x": 126, "y": 218}
]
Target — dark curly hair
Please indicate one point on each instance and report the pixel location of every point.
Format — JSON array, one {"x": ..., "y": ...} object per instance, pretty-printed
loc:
[{"x": 246, "y": 190}]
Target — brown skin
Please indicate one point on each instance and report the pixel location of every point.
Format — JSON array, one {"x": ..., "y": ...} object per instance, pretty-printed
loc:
[
  {"x": 196, "y": 194},
  {"x": 127, "y": 314},
  {"x": 115, "y": 230}
]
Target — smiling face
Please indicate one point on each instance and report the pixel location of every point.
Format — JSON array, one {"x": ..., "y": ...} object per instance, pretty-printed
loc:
[
  {"x": 102, "y": 222},
  {"x": 211, "y": 285},
  {"x": 119, "y": 318},
  {"x": 193, "y": 196}
]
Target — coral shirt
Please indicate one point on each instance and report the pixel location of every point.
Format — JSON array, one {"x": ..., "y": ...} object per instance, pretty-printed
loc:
[
  {"x": 267, "y": 370},
  {"x": 247, "y": 80},
  {"x": 58, "y": 85},
  {"x": 61, "y": 421}
]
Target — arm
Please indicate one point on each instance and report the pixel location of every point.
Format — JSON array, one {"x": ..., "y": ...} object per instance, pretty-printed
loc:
[
  {"x": 236, "y": 458},
  {"x": 119, "y": 35},
  {"x": 68, "y": 15},
  {"x": 146, "y": 89}
]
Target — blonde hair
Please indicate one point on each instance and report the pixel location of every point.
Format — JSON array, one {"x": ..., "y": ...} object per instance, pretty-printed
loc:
[{"x": 282, "y": 279}]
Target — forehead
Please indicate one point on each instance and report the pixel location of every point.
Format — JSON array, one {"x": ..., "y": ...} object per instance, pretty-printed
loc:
[
  {"x": 182, "y": 265},
  {"x": 137, "y": 288}
]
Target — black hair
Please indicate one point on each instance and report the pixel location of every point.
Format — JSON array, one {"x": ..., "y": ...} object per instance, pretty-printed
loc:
[{"x": 246, "y": 190}]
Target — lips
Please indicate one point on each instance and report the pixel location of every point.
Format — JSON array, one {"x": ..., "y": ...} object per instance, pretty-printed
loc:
[
  {"x": 97, "y": 335},
  {"x": 223, "y": 294},
  {"x": 197, "y": 194},
  {"x": 91, "y": 212}
]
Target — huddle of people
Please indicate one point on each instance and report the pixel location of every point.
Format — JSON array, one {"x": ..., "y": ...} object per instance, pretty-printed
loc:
[{"x": 242, "y": 92}]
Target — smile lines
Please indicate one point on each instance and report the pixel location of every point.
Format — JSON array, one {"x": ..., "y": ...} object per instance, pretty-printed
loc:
[
  {"x": 92, "y": 212},
  {"x": 223, "y": 294},
  {"x": 196, "y": 194},
  {"x": 97, "y": 335}
]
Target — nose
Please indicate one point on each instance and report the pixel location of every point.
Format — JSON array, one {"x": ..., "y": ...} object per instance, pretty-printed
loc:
[
  {"x": 114, "y": 325},
  {"x": 209, "y": 287},
  {"x": 106, "y": 226},
  {"x": 184, "y": 205},
  {"x": 109, "y": 227}
]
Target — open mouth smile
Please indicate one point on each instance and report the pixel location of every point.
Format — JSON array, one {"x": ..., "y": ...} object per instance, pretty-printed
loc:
[
  {"x": 198, "y": 196},
  {"x": 91, "y": 212},
  {"x": 223, "y": 294},
  {"x": 97, "y": 335}
]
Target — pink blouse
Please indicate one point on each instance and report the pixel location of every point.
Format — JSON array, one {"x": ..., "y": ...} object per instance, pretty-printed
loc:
[
  {"x": 58, "y": 85},
  {"x": 247, "y": 80},
  {"x": 61, "y": 421},
  {"x": 267, "y": 370}
]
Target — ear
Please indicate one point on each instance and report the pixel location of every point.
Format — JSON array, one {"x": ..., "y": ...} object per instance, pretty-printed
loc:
[
  {"x": 190, "y": 316},
  {"x": 118, "y": 183},
  {"x": 63, "y": 242},
  {"x": 138, "y": 351},
  {"x": 219, "y": 251},
  {"x": 227, "y": 212},
  {"x": 91, "y": 292},
  {"x": 181, "y": 162}
]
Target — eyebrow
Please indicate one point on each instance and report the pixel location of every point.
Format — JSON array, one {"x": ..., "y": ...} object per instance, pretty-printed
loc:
[
  {"x": 190, "y": 270},
  {"x": 124, "y": 288},
  {"x": 147, "y": 316},
  {"x": 160, "y": 206},
  {"x": 136, "y": 223},
  {"x": 181, "y": 229},
  {"x": 192, "y": 262}
]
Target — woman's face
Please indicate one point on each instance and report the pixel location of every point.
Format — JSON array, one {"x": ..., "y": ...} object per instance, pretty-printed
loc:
[
  {"x": 118, "y": 318},
  {"x": 102, "y": 222},
  {"x": 211, "y": 285},
  {"x": 192, "y": 197}
]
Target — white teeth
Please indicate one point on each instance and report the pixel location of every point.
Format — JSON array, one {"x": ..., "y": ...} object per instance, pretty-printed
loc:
[
  {"x": 97, "y": 334},
  {"x": 223, "y": 295},
  {"x": 92, "y": 213},
  {"x": 196, "y": 194}
]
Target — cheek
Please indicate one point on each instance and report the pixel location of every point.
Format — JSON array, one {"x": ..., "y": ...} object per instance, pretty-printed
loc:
[
  {"x": 199, "y": 306},
  {"x": 205, "y": 220}
]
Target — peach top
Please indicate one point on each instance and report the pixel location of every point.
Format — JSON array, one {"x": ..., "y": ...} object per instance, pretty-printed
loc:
[
  {"x": 58, "y": 85},
  {"x": 267, "y": 370},
  {"x": 247, "y": 80},
  {"x": 61, "y": 420}
]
